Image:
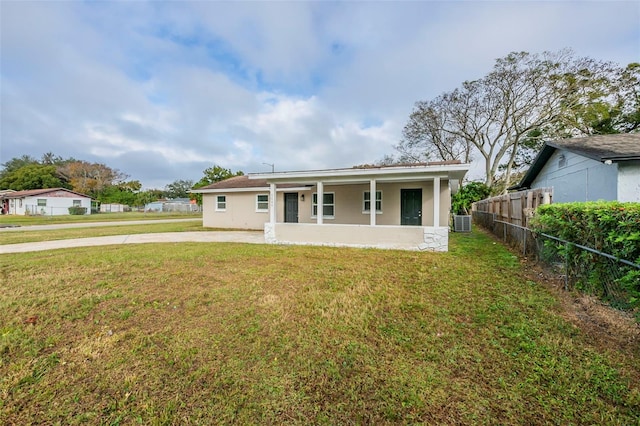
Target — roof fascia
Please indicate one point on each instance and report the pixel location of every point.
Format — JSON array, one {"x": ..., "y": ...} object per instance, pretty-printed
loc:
[
  {"x": 535, "y": 167},
  {"x": 389, "y": 174},
  {"x": 255, "y": 189}
]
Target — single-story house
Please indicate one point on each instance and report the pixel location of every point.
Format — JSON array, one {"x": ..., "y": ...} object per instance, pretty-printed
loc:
[
  {"x": 49, "y": 202},
  {"x": 403, "y": 206},
  {"x": 600, "y": 167}
]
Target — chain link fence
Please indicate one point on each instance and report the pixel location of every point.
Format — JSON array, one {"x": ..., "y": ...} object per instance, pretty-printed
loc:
[{"x": 614, "y": 281}]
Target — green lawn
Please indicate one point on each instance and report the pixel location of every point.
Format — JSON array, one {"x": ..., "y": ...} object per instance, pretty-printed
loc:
[
  {"x": 252, "y": 334},
  {"x": 23, "y": 236},
  {"x": 97, "y": 217}
]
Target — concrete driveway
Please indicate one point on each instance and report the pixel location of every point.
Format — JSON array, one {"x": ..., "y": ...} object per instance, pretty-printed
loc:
[{"x": 253, "y": 237}]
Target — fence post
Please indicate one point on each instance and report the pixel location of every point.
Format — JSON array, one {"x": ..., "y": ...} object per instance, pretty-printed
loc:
[{"x": 566, "y": 266}]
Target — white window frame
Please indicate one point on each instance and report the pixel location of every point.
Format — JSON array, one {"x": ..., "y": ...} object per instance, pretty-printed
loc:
[
  {"x": 77, "y": 203},
  {"x": 365, "y": 201},
  {"x": 314, "y": 205},
  {"x": 221, "y": 200},
  {"x": 42, "y": 202},
  {"x": 264, "y": 203}
]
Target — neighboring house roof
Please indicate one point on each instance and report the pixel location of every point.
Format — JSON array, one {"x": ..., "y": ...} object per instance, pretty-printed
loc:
[
  {"x": 41, "y": 192},
  {"x": 603, "y": 148}
]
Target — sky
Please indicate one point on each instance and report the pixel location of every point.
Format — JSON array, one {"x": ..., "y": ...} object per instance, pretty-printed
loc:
[{"x": 162, "y": 91}]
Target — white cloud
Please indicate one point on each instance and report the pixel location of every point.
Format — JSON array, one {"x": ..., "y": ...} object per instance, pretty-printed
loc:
[{"x": 162, "y": 91}]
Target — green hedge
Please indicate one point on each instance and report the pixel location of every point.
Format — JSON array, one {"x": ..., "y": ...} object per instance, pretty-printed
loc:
[
  {"x": 77, "y": 210},
  {"x": 610, "y": 227}
]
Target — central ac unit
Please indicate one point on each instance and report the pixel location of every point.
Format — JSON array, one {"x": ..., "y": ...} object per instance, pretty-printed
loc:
[{"x": 461, "y": 223}]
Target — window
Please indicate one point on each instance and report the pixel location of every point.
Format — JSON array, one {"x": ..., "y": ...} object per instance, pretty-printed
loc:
[
  {"x": 262, "y": 203},
  {"x": 42, "y": 202},
  {"x": 328, "y": 205},
  {"x": 77, "y": 203},
  {"x": 366, "y": 201},
  {"x": 221, "y": 203}
]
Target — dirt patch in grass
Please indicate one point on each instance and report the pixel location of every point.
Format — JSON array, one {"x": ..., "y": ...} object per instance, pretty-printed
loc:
[{"x": 610, "y": 328}]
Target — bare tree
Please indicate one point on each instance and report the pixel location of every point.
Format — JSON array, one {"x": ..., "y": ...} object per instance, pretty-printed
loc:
[
  {"x": 426, "y": 137},
  {"x": 524, "y": 98}
]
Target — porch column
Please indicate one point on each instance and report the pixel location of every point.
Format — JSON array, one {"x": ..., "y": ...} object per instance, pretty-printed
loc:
[
  {"x": 436, "y": 202},
  {"x": 272, "y": 203},
  {"x": 372, "y": 202},
  {"x": 320, "y": 211}
]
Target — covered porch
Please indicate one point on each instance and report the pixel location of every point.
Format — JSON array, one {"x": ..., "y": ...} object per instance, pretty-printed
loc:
[{"x": 394, "y": 207}]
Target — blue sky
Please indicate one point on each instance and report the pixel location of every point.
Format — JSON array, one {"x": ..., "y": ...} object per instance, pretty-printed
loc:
[{"x": 163, "y": 90}]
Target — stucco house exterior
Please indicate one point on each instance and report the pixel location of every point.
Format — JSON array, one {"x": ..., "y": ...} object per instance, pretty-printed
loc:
[
  {"x": 600, "y": 167},
  {"x": 49, "y": 202},
  {"x": 403, "y": 207}
]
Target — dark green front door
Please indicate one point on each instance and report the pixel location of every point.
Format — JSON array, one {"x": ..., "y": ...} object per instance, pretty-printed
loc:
[
  {"x": 411, "y": 207},
  {"x": 291, "y": 207}
]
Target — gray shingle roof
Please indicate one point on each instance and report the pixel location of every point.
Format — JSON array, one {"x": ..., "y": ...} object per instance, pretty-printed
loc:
[
  {"x": 620, "y": 147},
  {"x": 614, "y": 148}
]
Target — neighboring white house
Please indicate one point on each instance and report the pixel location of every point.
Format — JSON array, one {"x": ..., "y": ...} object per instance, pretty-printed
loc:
[
  {"x": 601, "y": 167},
  {"x": 404, "y": 206},
  {"x": 49, "y": 202}
]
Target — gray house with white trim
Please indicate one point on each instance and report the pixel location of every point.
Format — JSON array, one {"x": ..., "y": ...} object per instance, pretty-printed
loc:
[{"x": 600, "y": 167}]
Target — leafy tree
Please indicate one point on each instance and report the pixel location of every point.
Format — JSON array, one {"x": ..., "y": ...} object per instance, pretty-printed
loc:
[
  {"x": 212, "y": 175},
  {"x": 51, "y": 158},
  {"x": 13, "y": 165},
  {"x": 146, "y": 197},
  {"x": 32, "y": 176},
  {"x": 90, "y": 178},
  {"x": 178, "y": 189},
  {"x": 468, "y": 194},
  {"x": 122, "y": 193}
]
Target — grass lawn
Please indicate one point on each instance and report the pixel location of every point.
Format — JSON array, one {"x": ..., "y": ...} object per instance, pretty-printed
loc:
[
  {"x": 97, "y": 217},
  {"x": 23, "y": 236},
  {"x": 250, "y": 334}
]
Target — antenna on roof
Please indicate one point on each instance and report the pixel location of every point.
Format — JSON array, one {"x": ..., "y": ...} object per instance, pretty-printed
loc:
[{"x": 273, "y": 166}]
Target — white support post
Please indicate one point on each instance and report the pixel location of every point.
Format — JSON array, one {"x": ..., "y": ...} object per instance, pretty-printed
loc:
[
  {"x": 436, "y": 202},
  {"x": 320, "y": 213},
  {"x": 272, "y": 204},
  {"x": 372, "y": 202}
]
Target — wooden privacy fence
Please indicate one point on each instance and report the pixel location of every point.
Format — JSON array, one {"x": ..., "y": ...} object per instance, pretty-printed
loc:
[{"x": 517, "y": 207}]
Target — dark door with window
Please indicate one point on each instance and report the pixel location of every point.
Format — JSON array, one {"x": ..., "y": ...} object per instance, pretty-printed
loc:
[
  {"x": 291, "y": 207},
  {"x": 411, "y": 207}
]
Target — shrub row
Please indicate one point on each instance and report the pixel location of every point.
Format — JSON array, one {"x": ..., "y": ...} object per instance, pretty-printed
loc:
[{"x": 610, "y": 227}]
